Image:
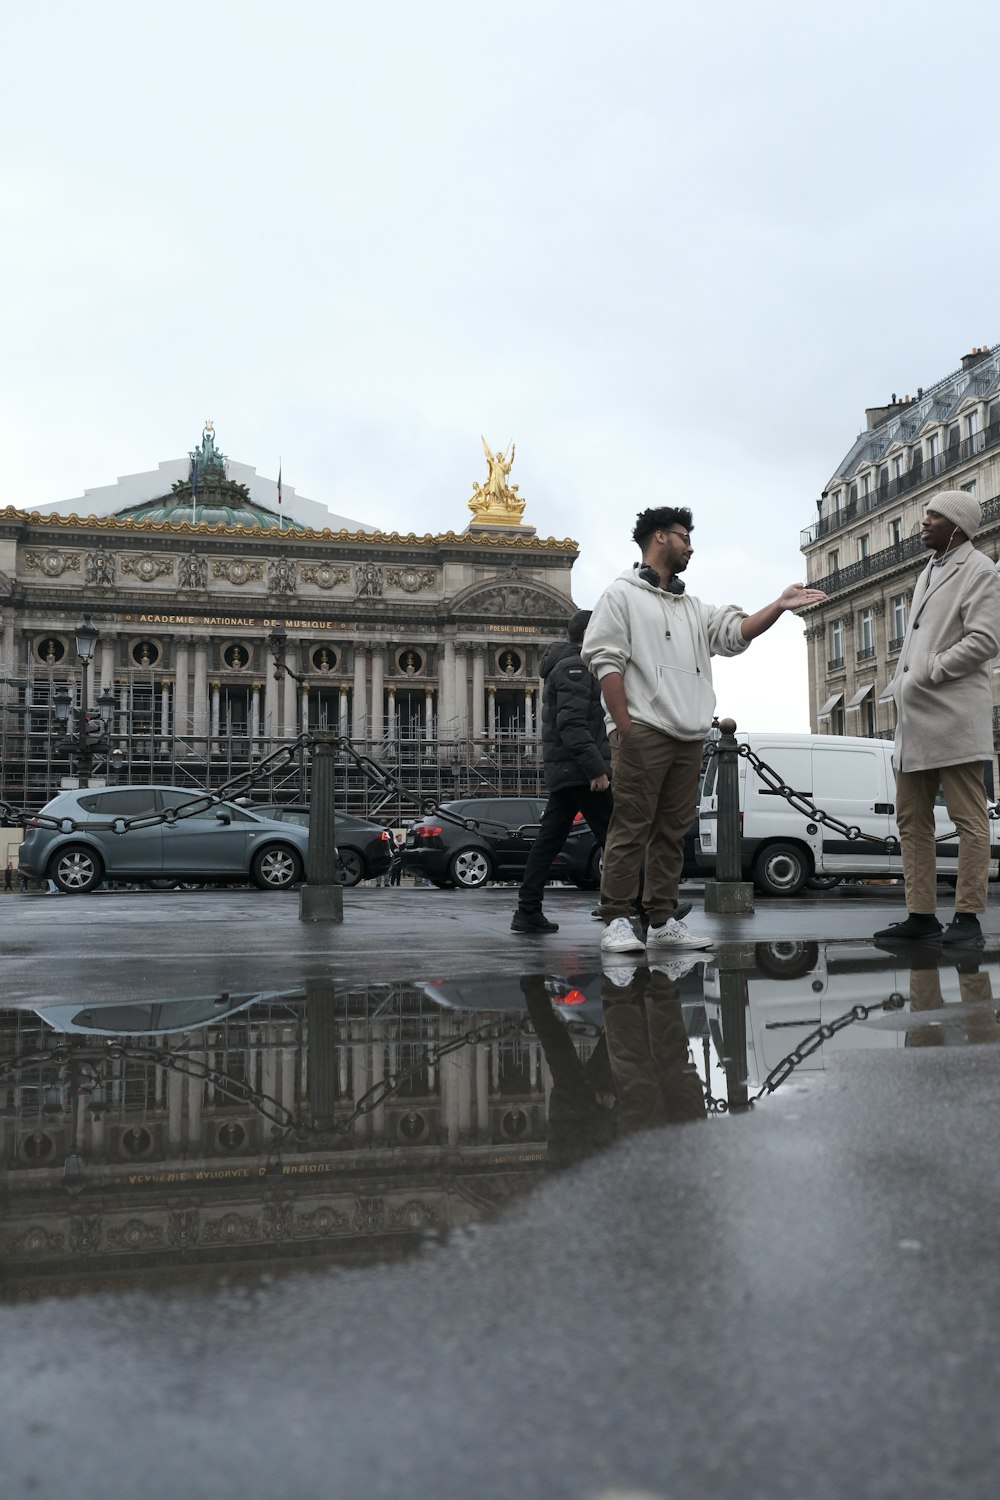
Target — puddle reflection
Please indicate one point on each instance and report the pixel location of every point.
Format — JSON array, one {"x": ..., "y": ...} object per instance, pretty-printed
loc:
[{"x": 229, "y": 1134}]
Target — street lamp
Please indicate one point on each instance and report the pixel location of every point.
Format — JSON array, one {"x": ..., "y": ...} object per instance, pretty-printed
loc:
[
  {"x": 85, "y": 734},
  {"x": 277, "y": 641}
]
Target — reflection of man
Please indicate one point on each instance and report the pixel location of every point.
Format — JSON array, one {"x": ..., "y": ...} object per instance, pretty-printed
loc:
[
  {"x": 581, "y": 1101},
  {"x": 975, "y": 1018},
  {"x": 944, "y": 720},
  {"x": 655, "y": 1078}
]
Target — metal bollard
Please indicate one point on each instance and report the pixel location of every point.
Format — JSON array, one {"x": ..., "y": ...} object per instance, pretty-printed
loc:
[
  {"x": 728, "y": 893},
  {"x": 322, "y": 898},
  {"x": 733, "y": 995}
]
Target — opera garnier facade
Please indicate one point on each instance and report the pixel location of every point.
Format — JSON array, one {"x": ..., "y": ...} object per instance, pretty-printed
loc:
[{"x": 231, "y": 616}]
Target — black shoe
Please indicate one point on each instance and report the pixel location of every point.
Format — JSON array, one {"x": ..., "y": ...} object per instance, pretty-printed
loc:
[
  {"x": 916, "y": 955},
  {"x": 964, "y": 930},
  {"x": 916, "y": 929},
  {"x": 532, "y": 921}
]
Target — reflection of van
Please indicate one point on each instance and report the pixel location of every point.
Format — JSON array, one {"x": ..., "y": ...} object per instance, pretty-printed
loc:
[{"x": 848, "y": 777}]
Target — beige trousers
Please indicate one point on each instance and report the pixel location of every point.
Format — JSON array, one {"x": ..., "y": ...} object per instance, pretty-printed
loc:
[{"x": 965, "y": 799}]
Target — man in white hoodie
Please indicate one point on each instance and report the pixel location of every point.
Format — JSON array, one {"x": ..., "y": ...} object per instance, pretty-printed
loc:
[{"x": 650, "y": 645}]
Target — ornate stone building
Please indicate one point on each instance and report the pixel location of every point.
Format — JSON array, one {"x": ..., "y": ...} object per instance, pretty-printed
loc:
[
  {"x": 232, "y": 616},
  {"x": 864, "y": 547}
]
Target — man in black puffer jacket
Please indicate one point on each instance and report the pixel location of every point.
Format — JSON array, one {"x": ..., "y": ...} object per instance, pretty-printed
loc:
[{"x": 577, "y": 760}]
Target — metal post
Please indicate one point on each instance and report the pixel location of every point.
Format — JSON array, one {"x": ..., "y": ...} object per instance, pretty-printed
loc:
[
  {"x": 322, "y": 899},
  {"x": 728, "y": 893},
  {"x": 733, "y": 1008}
]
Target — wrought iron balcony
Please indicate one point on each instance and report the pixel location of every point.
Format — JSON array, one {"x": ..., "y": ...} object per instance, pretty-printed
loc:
[
  {"x": 866, "y": 653},
  {"x": 835, "y": 664},
  {"x": 877, "y": 563},
  {"x": 891, "y": 489},
  {"x": 896, "y": 643}
]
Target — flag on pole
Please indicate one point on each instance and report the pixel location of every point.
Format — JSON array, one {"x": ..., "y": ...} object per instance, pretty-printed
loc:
[
  {"x": 281, "y": 519},
  {"x": 194, "y": 487}
]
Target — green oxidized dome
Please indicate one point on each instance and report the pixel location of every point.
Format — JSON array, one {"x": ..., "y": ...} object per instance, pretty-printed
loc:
[{"x": 208, "y": 498}]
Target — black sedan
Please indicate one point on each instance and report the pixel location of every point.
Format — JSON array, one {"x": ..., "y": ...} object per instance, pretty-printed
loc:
[
  {"x": 488, "y": 838},
  {"x": 364, "y": 849}
]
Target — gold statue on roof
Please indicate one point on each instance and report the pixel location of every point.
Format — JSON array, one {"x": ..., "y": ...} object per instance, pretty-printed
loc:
[{"x": 497, "y": 503}]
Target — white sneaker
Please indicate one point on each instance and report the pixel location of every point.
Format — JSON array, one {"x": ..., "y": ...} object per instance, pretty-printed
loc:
[
  {"x": 676, "y": 968},
  {"x": 620, "y": 936},
  {"x": 620, "y": 975},
  {"x": 674, "y": 934}
]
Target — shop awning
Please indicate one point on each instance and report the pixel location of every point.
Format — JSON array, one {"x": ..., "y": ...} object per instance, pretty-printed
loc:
[
  {"x": 861, "y": 695},
  {"x": 830, "y": 705}
]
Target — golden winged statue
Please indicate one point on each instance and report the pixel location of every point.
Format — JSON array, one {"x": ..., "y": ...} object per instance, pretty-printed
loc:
[{"x": 496, "y": 502}]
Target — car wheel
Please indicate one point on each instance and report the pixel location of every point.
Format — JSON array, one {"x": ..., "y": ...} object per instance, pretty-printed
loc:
[
  {"x": 470, "y": 868},
  {"x": 789, "y": 960},
  {"x": 442, "y": 885},
  {"x": 276, "y": 868},
  {"x": 76, "y": 870},
  {"x": 823, "y": 882},
  {"x": 350, "y": 867},
  {"x": 781, "y": 870},
  {"x": 162, "y": 885}
]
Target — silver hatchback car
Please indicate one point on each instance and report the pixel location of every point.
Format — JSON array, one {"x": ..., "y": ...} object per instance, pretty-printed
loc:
[{"x": 219, "y": 842}]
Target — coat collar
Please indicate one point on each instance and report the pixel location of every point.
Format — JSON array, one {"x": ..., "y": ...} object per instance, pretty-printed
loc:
[{"x": 937, "y": 573}]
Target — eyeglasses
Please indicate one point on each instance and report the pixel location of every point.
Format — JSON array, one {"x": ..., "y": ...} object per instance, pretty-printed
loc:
[{"x": 684, "y": 536}]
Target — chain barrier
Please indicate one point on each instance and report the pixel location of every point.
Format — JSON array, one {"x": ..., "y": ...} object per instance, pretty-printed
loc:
[
  {"x": 805, "y": 805},
  {"x": 237, "y": 786}
]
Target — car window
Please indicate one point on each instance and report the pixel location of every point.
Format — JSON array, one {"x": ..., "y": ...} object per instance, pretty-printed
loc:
[
  {"x": 300, "y": 819},
  {"x": 130, "y": 802},
  {"x": 179, "y": 796},
  {"x": 90, "y": 804}
]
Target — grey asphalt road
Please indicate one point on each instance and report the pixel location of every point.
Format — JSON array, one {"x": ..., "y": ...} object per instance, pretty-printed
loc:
[
  {"x": 800, "y": 1301},
  {"x": 112, "y": 945}
]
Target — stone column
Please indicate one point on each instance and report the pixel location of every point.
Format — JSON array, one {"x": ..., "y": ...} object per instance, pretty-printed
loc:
[
  {"x": 343, "y": 726},
  {"x": 164, "y": 717},
  {"x": 478, "y": 695},
  {"x": 461, "y": 693},
  {"x": 216, "y": 693},
  {"x": 390, "y": 728},
  {"x": 447, "y": 727},
  {"x": 289, "y": 712},
  {"x": 200, "y": 694},
  {"x": 7, "y": 650},
  {"x": 107, "y": 662},
  {"x": 271, "y": 727},
  {"x": 123, "y": 710},
  {"x": 428, "y": 714},
  {"x": 378, "y": 695},
  {"x": 491, "y": 719},
  {"x": 181, "y": 726},
  {"x": 304, "y": 708},
  {"x": 529, "y": 716},
  {"x": 359, "y": 705},
  {"x": 254, "y": 714}
]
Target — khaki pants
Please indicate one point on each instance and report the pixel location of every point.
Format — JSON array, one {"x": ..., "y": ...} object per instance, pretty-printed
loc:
[
  {"x": 654, "y": 780},
  {"x": 965, "y": 799}
]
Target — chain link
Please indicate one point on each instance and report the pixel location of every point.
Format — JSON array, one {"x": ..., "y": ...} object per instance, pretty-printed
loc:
[
  {"x": 812, "y": 1043},
  {"x": 805, "y": 805}
]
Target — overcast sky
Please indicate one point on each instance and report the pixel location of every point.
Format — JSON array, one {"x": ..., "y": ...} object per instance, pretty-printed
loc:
[{"x": 672, "y": 250}]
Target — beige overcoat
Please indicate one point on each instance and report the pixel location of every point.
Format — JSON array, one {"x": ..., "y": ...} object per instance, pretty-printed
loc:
[{"x": 942, "y": 687}]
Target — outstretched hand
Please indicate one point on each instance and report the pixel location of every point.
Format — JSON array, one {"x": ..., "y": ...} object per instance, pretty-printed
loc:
[{"x": 798, "y": 596}]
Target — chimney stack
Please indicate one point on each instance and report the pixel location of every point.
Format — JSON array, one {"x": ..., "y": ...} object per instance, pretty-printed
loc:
[{"x": 974, "y": 356}]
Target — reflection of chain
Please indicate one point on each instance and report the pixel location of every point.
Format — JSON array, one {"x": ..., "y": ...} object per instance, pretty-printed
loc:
[
  {"x": 815, "y": 1040},
  {"x": 808, "y": 808}
]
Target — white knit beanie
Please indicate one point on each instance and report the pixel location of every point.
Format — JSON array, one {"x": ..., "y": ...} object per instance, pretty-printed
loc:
[{"x": 960, "y": 508}]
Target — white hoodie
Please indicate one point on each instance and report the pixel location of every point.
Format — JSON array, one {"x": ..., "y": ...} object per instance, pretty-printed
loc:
[{"x": 662, "y": 645}]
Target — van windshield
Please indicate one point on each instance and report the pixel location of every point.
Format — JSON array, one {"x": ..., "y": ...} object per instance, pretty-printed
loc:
[{"x": 711, "y": 772}]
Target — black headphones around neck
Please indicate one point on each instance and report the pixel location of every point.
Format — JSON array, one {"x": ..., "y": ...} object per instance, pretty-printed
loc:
[{"x": 650, "y": 575}]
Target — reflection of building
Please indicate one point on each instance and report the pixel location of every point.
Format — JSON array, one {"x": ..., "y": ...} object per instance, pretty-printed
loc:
[
  {"x": 172, "y": 1140},
  {"x": 424, "y": 650},
  {"x": 864, "y": 549}
]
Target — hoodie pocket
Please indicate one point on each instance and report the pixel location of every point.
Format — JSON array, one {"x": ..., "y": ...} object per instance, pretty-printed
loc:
[{"x": 686, "y": 697}]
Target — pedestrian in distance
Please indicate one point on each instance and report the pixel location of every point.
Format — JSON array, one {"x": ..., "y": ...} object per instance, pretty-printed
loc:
[
  {"x": 944, "y": 721},
  {"x": 8, "y": 877},
  {"x": 650, "y": 644},
  {"x": 396, "y": 868},
  {"x": 576, "y": 759}
]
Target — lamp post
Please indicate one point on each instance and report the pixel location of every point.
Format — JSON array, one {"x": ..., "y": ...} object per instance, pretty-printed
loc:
[
  {"x": 277, "y": 641},
  {"x": 84, "y": 734}
]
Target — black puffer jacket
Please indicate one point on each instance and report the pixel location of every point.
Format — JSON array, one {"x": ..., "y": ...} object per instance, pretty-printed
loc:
[{"x": 574, "y": 740}]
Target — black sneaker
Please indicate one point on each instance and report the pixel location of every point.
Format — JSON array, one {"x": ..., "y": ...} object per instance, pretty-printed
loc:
[
  {"x": 916, "y": 929},
  {"x": 964, "y": 930},
  {"x": 532, "y": 921}
]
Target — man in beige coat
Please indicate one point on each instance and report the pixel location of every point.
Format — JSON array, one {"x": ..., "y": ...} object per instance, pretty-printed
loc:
[{"x": 944, "y": 721}]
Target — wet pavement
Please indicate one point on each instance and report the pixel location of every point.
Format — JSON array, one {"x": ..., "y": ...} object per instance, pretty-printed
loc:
[{"x": 435, "y": 1207}]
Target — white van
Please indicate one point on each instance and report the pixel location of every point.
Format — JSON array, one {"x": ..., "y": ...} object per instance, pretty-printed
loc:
[{"x": 848, "y": 777}]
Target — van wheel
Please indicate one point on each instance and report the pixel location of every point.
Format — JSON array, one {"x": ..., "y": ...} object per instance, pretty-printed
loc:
[
  {"x": 788, "y": 960},
  {"x": 823, "y": 882},
  {"x": 781, "y": 870}
]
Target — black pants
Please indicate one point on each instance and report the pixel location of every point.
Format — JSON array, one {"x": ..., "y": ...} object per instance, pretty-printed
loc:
[{"x": 557, "y": 820}]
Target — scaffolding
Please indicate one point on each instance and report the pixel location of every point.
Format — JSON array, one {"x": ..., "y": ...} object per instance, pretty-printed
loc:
[{"x": 387, "y": 780}]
